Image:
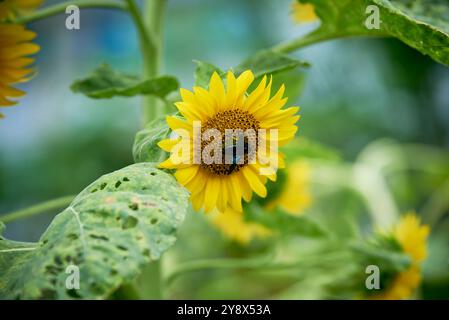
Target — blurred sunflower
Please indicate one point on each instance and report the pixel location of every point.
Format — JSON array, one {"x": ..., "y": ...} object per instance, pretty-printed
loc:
[
  {"x": 9, "y": 8},
  {"x": 411, "y": 236},
  {"x": 291, "y": 194},
  {"x": 303, "y": 12},
  {"x": 233, "y": 225},
  {"x": 294, "y": 197},
  {"x": 15, "y": 46},
  {"x": 222, "y": 185}
]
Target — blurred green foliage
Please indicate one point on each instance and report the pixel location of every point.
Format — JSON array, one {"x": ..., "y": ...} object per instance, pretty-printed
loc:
[{"x": 356, "y": 92}]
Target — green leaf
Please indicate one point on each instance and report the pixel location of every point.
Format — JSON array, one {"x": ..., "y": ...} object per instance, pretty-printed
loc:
[
  {"x": 294, "y": 81},
  {"x": 269, "y": 62},
  {"x": 421, "y": 24},
  {"x": 113, "y": 228},
  {"x": 262, "y": 63},
  {"x": 284, "y": 222},
  {"x": 145, "y": 148},
  {"x": 105, "y": 83},
  {"x": 203, "y": 73}
]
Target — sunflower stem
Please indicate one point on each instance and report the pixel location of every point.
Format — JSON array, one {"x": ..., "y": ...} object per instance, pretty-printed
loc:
[
  {"x": 317, "y": 37},
  {"x": 264, "y": 263},
  {"x": 149, "y": 284},
  {"x": 37, "y": 209},
  {"x": 60, "y": 8},
  {"x": 150, "y": 25}
]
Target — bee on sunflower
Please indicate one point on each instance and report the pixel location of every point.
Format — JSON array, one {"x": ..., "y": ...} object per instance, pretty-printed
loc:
[
  {"x": 411, "y": 238},
  {"x": 303, "y": 12},
  {"x": 15, "y": 49},
  {"x": 221, "y": 185}
]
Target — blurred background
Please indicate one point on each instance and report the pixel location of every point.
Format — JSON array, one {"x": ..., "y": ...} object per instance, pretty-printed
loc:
[{"x": 357, "y": 91}]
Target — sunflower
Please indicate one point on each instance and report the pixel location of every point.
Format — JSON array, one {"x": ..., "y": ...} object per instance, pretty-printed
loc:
[
  {"x": 15, "y": 46},
  {"x": 293, "y": 197},
  {"x": 303, "y": 12},
  {"x": 8, "y": 8},
  {"x": 221, "y": 184},
  {"x": 411, "y": 235}
]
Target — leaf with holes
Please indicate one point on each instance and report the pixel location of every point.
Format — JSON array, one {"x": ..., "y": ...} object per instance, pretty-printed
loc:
[
  {"x": 421, "y": 24},
  {"x": 105, "y": 82},
  {"x": 113, "y": 228}
]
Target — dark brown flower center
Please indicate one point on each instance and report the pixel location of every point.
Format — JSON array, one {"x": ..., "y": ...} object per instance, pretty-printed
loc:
[{"x": 238, "y": 122}]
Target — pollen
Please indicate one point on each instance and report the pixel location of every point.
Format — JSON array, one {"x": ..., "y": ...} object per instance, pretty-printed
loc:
[{"x": 231, "y": 120}]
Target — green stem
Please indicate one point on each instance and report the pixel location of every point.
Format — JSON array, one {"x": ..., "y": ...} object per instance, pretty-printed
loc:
[
  {"x": 37, "y": 209},
  {"x": 147, "y": 41},
  {"x": 126, "y": 292},
  {"x": 149, "y": 284},
  {"x": 316, "y": 37},
  {"x": 152, "y": 107},
  {"x": 198, "y": 265},
  {"x": 266, "y": 263},
  {"x": 60, "y": 8},
  {"x": 149, "y": 27}
]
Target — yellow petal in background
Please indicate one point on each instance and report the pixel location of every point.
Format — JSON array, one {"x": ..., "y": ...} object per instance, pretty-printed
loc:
[
  {"x": 303, "y": 12},
  {"x": 233, "y": 225},
  {"x": 295, "y": 196}
]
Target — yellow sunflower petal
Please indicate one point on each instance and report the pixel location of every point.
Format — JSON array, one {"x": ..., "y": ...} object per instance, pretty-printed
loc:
[
  {"x": 14, "y": 49},
  {"x": 208, "y": 103},
  {"x": 6, "y": 103},
  {"x": 174, "y": 162},
  {"x": 234, "y": 193},
  {"x": 168, "y": 144},
  {"x": 412, "y": 236},
  {"x": 11, "y": 92},
  {"x": 185, "y": 175},
  {"x": 236, "y": 88},
  {"x": 231, "y": 92},
  {"x": 198, "y": 183},
  {"x": 223, "y": 196},
  {"x": 243, "y": 82},
  {"x": 176, "y": 123},
  {"x": 253, "y": 96},
  {"x": 216, "y": 89},
  {"x": 244, "y": 186},
  {"x": 262, "y": 99},
  {"x": 197, "y": 200},
  {"x": 213, "y": 189},
  {"x": 254, "y": 182}
]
